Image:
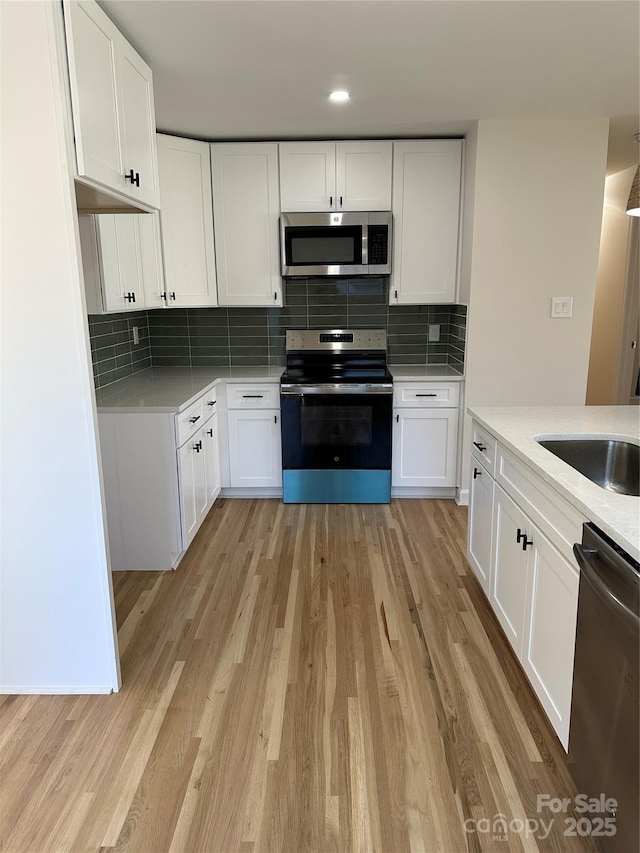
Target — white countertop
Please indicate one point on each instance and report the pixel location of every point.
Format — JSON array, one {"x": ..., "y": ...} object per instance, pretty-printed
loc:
[
  {"x": 171, "y": 389},
  {"x": 516, "y": 428},
  {"x": 416, "y": 372}
]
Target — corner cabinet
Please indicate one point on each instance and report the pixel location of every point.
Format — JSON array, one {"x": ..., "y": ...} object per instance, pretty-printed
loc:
[
  {"x": 122, "y": 262},
  {"x": 425, "y": 437},
  {"x": 520, "y": 548},
  {"x": 161, "y": 476},
  {"x": 426, "y": 212},
  {"x": 186, "y": 222},
  {"x": 247, "y": 206},
  {"x": 318, "y": 176},
  {"x": 112, "y": 105}
]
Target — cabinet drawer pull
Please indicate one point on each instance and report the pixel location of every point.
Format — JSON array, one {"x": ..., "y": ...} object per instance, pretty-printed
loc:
[
  {"x": 526, "y": 542},
  {"x": 275, "y": 419},
  {"x": 163, "y": 296},
  {"x": 172, "y": 295},
  {"x": 397, "y": 419},
  {"x": 211, "y": 403},
  {"x": 340, "y": 201},
  {"x": 129, "y": 297},
  {"x": 520, "y": 535},
  {"x": 330, "y": 201},
  {"x": 252, "y": 396},
  {"x": 426, "y": 395},
  {"x": 134, "y": 177},
  {"x": 481, "y": 447},
  {"x": 194, "y": 419},
  {"x": 210, "y": 432},
  {"x": 476, "y": 473},
  {"x": 197, "y": 446}
]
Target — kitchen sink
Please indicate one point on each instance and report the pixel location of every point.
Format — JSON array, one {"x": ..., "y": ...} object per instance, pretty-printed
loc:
[{"x": 610, "y": 463}]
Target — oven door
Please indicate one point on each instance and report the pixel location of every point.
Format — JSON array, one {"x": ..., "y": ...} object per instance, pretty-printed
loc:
[{"x": 336, "y": 431}]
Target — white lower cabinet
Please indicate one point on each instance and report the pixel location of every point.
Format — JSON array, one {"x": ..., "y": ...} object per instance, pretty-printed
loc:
[
  {"x": 425, "y": 435},
  {"x": 526, "y": 572},
  {"x": 255, "y": 457},
  {"x": 161, "y": 476},
  {"x": 509, "y": 582},
  {"x": 482, "y": 488}
]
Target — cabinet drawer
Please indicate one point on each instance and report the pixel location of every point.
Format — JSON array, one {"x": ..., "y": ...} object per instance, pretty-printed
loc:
[
  {"x": 555, "y": 516},
  {"x": 484, "y": 448},
  {"x": 190, "y": 420},
  {"x": 209, "y": 403},
  {"x": 425, "y": 395},
  {"x": 259, "y": 396}
]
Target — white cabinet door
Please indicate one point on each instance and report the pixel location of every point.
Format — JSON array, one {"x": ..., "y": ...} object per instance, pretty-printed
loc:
[
  {"x": 255, "y": 458},
  {"x": 148, "y": 226},
  {"x": 92, "y": 48},
  {"x": 426, "y": 210},
  {"x": 139, "y": 126},
  {"x": 112, "y": 105},
  {"x": 480, "y": 528},
  {"x": 550, "y": 630},
  {"x": 510, "y": 566},
  {"x": 211, "y": 445},
  {"x": 246, "y": 209},
  {"x": 120, "y": 263},
  {"x": 424, "y": 447},
  {"x": 190, "y": 487},
  {"x": 307, "y": 176},
  {"x": 363, "y": 175},
  {"x": 186, "y": 222}
]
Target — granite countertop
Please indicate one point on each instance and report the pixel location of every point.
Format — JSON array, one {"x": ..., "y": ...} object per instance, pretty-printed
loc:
[
  {"x": 172, "y": 389},
  {"x": 516, "y": 428}
]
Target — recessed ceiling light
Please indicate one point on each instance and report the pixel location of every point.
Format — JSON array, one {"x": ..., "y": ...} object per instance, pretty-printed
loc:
[{"x": 339, "y": 97}]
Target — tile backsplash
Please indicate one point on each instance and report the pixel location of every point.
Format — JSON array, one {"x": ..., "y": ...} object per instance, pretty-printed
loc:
[{"x": 239, "y": 336}]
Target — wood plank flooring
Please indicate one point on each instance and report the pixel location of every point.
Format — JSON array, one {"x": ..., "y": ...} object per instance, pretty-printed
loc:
[{"x": 311, "y": 678}]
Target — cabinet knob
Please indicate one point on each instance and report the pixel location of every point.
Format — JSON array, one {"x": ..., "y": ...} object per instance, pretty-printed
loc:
[
  {"x": 477, "y": 473},
  {"x": 132, "y": 176}
]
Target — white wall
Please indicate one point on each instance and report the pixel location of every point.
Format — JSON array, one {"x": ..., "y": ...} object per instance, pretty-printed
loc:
[
  {"x": 56, "y": 614},
  {"x": 608, "y": 315},
  {"x": 536, "y": 215}
]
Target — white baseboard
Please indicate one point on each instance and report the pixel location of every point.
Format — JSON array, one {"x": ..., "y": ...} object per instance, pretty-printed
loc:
[
  {"x": 250, "y": 493},
  {"x": 410, "y": 492},
  {"x": 463, "y": 497},
  {"x": 56, "y": 689}
]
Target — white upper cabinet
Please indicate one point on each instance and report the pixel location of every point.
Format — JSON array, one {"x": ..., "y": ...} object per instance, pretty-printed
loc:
[
  {"x": 186, "y": 222},
  {"x": 246, "y": 209},
  {"x": 112, "y": 106},
  {"x": 426, "y": 211},
  {"x": 122, "y": 262},
  {"x": 317, "y": 176}
]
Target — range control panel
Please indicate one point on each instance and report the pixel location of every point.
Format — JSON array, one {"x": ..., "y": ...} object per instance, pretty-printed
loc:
[{"x": 336, "y": 339}]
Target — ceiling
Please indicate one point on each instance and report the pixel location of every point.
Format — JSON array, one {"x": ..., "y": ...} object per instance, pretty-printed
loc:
[{"x": 262, "y": 69}]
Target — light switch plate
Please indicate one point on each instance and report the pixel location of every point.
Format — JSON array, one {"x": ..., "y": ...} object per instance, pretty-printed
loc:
[{"x": 562, "y": 306}]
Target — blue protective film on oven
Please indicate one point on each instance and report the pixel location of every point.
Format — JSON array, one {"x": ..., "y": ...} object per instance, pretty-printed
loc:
[{"x": 336, "y": 487}]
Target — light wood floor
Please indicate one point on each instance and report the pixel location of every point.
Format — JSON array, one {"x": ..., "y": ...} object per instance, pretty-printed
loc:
[{"x": 311, "y": 678}]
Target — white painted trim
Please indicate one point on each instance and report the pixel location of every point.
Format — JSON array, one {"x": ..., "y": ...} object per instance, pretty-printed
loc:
[
  {"x": 250, "y": 493},
  {"x": 56, "y": 689},
  {"x": 408, "y": 492},
  {"x": 462, "y": 498}
]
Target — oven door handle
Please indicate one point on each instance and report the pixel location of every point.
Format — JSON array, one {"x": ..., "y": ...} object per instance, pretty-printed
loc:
[
  {"x": 308, "y": 390},
  {"x": 587, "y": 560}
]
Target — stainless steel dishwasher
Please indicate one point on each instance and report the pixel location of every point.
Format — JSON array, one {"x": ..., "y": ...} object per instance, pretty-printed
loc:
[{"x": 605, "y": 717}]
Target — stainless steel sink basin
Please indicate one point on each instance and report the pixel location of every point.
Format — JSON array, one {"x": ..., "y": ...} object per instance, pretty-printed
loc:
[{"x": 612, "y": 464}]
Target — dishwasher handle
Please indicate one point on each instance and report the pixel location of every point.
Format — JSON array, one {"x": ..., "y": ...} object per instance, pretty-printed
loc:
[{"x": 587, "y": 561}]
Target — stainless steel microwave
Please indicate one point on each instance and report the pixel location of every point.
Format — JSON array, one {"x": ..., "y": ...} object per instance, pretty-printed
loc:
[{"x": 355, "y": 243}]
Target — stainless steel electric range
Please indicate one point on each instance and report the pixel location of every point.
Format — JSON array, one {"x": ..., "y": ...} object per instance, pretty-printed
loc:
[{"x": 336, "y": 398}]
